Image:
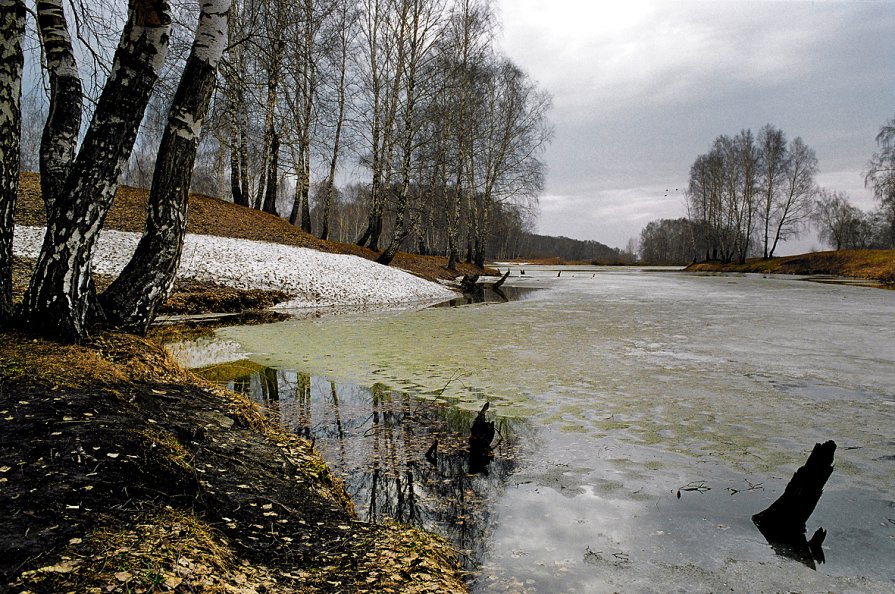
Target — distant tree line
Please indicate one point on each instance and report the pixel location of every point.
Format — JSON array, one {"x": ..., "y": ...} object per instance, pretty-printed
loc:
[
  {"x": 543, "y": 246},
  {"x": 750, "y": 192},
  {"x": 671, "y": 241}
]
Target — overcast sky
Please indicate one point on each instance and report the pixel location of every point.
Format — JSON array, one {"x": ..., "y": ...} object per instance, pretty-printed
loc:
[{"x": 640, "y": 89}]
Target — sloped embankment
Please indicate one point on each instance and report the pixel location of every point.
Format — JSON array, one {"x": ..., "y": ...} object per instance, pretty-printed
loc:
[
  {"x": 878, "y": 265},
  {"x": 119, "y": 471}
]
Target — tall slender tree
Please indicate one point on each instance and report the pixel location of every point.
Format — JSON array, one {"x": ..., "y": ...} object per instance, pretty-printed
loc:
[
  {"x": 420, "y": 32},
  {"x": 345, "y": 25},
  {"x": 58, "y": 299},
  {"x": 880, "y": 175},
  {"x": 12, "y": 32},
  {"x": 795, "y": 202},
  {"x": 772, "y": 162},
  {"x": 146, "y": 281}
]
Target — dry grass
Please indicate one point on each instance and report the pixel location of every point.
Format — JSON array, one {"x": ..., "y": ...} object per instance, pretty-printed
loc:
[
  {"x": 878, "y": 265},
  {"x": 124, "y": 473},
  {"x": 212, "y": 216}
]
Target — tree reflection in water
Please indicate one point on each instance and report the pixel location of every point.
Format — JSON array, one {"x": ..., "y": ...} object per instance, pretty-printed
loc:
[{"x": 377, "y": 439}]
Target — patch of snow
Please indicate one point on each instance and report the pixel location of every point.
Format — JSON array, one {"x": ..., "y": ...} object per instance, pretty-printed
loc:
[{"x": 317, "y": 279}]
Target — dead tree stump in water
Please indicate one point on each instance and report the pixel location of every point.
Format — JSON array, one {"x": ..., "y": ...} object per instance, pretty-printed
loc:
[
  {"x": 468, "y": 284},
  {"x": 783, "y": 523}
]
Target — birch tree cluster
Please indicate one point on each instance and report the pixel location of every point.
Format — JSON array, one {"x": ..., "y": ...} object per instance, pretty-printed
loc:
[
  {"x": 399, "y": 121},
  {"x": 843, "y": 225},
  {"x": 83, "y": 152},
  {"x": 749, "y": 193},
  {"x": 394, "y": 124},
  {"x": 752, "y": 191}
]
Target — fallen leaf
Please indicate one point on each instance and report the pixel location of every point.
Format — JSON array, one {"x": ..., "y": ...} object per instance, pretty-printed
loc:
[
  {"x": 62, "y": 567},
  {"x": 173, "y": 581}
]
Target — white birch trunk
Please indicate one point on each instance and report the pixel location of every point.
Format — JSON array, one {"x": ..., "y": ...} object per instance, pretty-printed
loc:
[
  {"x": 58, "y": 298},
  {"x": 12, "y": 31},
  {"x": 145, "y": 283}
]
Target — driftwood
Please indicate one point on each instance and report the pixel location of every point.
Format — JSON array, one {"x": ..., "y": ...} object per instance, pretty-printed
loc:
[
  {"x": 469, "y": 283},
  {"x": 503, "y": 279},
  {"x": 783, "y": 523}
]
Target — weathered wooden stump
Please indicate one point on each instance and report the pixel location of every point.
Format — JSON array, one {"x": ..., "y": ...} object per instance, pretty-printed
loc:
[{"x": 783, "y": 523}]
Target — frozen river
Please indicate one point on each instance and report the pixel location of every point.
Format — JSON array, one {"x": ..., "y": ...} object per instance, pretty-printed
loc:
[{"x": 644, "y": 416}]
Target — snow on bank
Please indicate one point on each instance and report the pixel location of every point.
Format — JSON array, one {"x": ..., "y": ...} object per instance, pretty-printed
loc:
[{"x": 317, "y": 279}]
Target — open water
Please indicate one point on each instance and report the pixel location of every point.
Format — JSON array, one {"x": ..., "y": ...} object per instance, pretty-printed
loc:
[{"x": 643, "y": 416}]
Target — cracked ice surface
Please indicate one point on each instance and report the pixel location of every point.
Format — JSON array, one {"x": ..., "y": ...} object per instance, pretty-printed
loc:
[{"x": 317, "y": 279}]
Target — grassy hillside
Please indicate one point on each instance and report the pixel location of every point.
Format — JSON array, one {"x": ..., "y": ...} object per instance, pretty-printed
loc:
[
  {"x": 212, "y": 216},
  {"x": 878, "y": 265}
]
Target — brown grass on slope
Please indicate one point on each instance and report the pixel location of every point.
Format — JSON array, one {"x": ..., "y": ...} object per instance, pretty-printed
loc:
[
  {"x": 212, "y": 216},
  {"x": 870, "y": 264}
]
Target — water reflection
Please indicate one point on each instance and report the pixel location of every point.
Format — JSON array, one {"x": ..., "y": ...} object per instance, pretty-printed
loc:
[
  {"x": 490, "y": 294},
  {"x": 807, "y": 552},
  {"x": 403, "y": 458}
]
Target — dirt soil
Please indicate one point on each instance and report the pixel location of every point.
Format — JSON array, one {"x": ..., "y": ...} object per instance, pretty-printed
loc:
[{"x": 121, "y": 472}]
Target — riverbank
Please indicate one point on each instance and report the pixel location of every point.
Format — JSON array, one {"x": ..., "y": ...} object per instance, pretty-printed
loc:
[
  {"x": 876, "y": 265},
  {"x": 120, "y": 471}
]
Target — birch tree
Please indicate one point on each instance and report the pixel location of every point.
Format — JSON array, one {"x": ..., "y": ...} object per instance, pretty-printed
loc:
[
  {"x": 383, "y": 30},
  {"x": 420, "y": 32},
  {"x": 468, "y": 42},
  {"x": 795, "y": 202},
  {"x": 772, "y": 162},
  {"x": 302, "y": 99},
  {"x": 12, "y": 32},
  {"x": 234, "y": 72},
  {"x": 515, "y": 133},
  {"x": 880, "y": 175},
  {"x": 274, "y": 28},
  {"x": 58, "y": 298},
  {"x": 146, "y": 282},
  {"x": 345, "y": 26}
]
